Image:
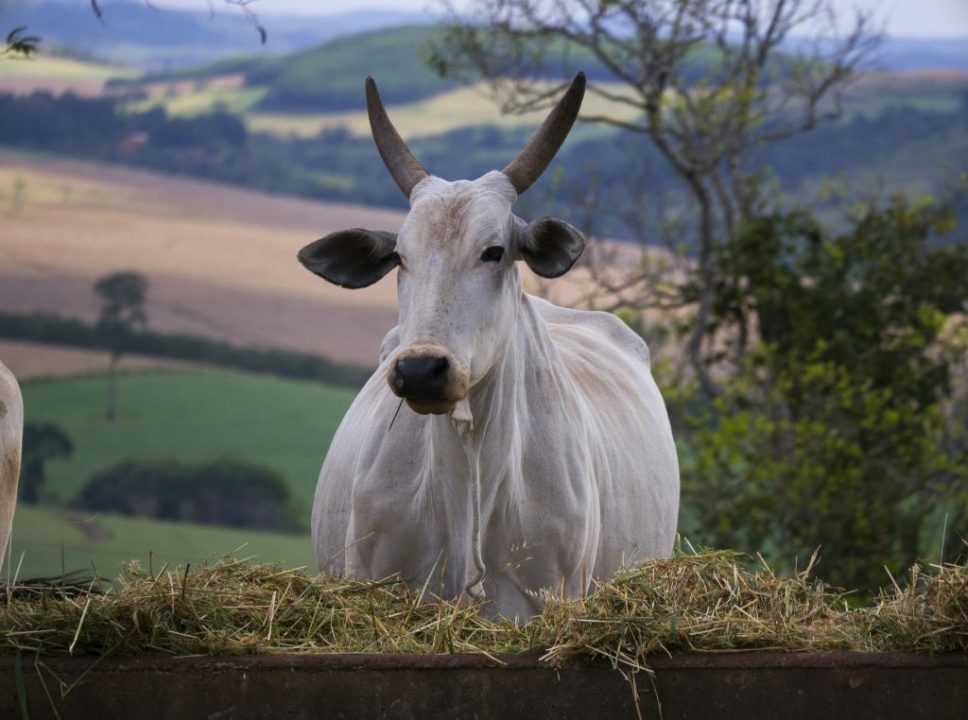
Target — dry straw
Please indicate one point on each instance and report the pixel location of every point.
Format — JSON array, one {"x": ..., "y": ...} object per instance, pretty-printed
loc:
[{"x": 708, "y": 601}]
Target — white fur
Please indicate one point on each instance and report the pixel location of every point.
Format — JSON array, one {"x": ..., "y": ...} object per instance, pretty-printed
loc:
[
  {"x": 577, "y": 468},
  {"x": 11, "y": 436}
]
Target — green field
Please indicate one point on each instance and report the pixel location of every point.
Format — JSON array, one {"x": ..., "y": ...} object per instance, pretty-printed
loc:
[
  {"x": 47, "y": 66},
  {"x": 201, "y": 98},
  {"x": 52, "y": 541},
  {"x": 198, "y": 416},
  {"x": 444, "y": 112}
]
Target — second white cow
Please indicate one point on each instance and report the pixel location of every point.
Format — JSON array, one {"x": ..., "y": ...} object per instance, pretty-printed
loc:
[
  {"x": 535, "y": 452},
  {"x": 11, "y": 436}
]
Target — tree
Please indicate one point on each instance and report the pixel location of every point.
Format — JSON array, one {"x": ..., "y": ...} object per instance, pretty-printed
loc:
[
  {"x": 222, "y": 492},
  {"x": 122, "y": 313},
  {"x": 18, "y": 44},
  {"x": 837, "y": 431},
  {"x": 41, "y": 442},
  {"x": 707, "y": 81}
]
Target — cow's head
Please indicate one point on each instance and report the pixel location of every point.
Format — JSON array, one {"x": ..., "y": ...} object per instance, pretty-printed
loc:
[{"x": 458, "y": 283}]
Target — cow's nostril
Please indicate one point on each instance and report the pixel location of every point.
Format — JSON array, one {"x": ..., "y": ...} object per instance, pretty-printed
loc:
[{"x": 438, "y": 366}]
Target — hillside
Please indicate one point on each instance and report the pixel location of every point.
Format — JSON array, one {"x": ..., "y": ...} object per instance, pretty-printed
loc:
[
  {"x": 328, "y": 77},
  {"x": 220, "y": 261},
  {"x": 163, "y": 38},
  {"x": 296, "y": 125}
]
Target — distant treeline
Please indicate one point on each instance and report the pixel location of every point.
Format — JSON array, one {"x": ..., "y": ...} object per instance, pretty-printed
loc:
[
  {"x": 223, "y": 492},
  {"x": 65, "y": 331},
  {"x": 605, "y": 174}
]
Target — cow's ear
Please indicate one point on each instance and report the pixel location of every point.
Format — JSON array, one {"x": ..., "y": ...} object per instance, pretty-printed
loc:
[
  {"x": 352, "y": 258},
  {"x": 549, "y": 246}
]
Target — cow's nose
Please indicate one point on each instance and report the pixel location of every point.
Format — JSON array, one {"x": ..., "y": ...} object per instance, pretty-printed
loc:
[{"x": 421, "y": 376}]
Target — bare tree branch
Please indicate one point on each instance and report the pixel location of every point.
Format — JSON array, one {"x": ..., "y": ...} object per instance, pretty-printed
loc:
[{"x": 713, "y": 80}]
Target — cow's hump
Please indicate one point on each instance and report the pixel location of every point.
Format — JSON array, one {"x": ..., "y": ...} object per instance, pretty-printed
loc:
[{"x": 606, "y": 326}]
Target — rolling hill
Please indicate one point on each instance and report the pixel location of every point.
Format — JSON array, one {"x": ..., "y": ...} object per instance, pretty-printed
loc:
[
  {"x": 220, "y": 261},
  {"x": 164, "y": 38}
]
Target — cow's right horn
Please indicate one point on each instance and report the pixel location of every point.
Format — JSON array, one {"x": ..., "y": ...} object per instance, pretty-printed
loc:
[
  {"x": 401, "y": 163},
  {"x": 542, "y": 147}
]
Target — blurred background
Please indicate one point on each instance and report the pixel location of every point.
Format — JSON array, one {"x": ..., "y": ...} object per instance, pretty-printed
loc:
[{"x": 774, "y": 192}]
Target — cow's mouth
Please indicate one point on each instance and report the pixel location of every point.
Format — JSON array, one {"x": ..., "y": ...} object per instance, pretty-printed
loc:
[{"x": 430, "y": 406}]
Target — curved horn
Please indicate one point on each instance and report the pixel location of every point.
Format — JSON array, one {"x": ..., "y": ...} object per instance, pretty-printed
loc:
[
  {"x": 541, "y": 148},
  {"x": 401, "y": 163}
]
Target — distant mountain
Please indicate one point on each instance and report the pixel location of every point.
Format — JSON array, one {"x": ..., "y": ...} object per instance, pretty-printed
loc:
[
  {"x": 897, "y": 53},
  {"x": 326, "y": 77},
  {"x": 159, "y": 39}
]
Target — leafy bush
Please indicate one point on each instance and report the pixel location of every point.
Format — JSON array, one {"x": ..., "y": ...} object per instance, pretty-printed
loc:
[
  {"x": 225, "y": 492},
  {"x": 836, "y": 429},
  {"x": 41, "y": 442}
]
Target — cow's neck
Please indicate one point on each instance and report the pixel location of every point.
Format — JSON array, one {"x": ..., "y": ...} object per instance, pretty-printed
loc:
[
  {"x": 491, "y": 422},
  {"x": 488, "y": 415}
]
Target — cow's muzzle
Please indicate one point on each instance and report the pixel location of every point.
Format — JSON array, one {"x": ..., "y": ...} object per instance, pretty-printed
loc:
[{"x": 429, "y": 378}]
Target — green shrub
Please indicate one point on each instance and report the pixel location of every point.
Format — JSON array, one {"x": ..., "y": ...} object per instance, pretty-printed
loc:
[{"x": 225, "y": 492}]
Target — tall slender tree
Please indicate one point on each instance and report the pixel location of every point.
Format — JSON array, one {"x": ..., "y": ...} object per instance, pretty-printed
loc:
[{"x": 122, "y": 313}]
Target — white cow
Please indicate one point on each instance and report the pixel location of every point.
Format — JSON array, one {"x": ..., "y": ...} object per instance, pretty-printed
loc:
[
  {"x": 536, "y": 453},
  {"x": 11, "y": 436}
]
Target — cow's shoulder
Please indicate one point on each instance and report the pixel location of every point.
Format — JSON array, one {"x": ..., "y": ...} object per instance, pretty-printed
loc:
[{"x": 593, "y": 325}]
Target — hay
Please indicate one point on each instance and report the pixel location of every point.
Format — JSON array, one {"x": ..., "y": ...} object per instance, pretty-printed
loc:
[
  {"x": 712, "y": 601},
  {"x": 929, "y": 613},
  {"x": 231, "y": 607},
  {"x": 709, "y": 602}
]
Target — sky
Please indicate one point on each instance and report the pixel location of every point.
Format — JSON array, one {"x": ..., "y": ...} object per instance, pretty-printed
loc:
[{"x": 904, "y": 18}]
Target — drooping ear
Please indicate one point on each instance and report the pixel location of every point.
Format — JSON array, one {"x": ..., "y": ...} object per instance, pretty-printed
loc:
[
  {"x": 352, "y": 258},
  {"x": 549, "y": 246}
]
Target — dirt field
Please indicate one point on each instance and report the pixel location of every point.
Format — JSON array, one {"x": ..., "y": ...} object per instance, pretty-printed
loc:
[{"x": 221, "y": 262}]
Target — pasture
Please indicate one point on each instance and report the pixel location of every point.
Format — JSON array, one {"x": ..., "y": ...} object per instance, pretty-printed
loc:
[
  {"x": 52, "y": 541},
  {"x": 191, "y": 97},
  {"x": 195, "y": 416}
]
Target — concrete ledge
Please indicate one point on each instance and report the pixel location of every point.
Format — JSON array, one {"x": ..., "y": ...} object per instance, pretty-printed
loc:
[{"x": 701, "y": 686}]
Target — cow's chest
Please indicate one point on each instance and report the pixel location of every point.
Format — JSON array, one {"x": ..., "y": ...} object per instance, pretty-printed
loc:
[{"x": 538, "y": 523}]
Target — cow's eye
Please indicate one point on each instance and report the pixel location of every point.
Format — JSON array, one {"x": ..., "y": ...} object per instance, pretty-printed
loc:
[{"x": 493, "y": 254}]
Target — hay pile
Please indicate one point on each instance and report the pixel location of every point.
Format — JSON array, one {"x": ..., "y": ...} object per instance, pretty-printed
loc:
[{"x": 710, "y": 601}]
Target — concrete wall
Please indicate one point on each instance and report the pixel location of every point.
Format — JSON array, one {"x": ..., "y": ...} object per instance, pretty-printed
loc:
[{"x": 744, "y": 685}]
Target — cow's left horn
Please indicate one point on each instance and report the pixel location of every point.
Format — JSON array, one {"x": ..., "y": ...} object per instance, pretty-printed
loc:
[
  {"x": 401, "y": 163},
  {"x": 542, "y": 147}
]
